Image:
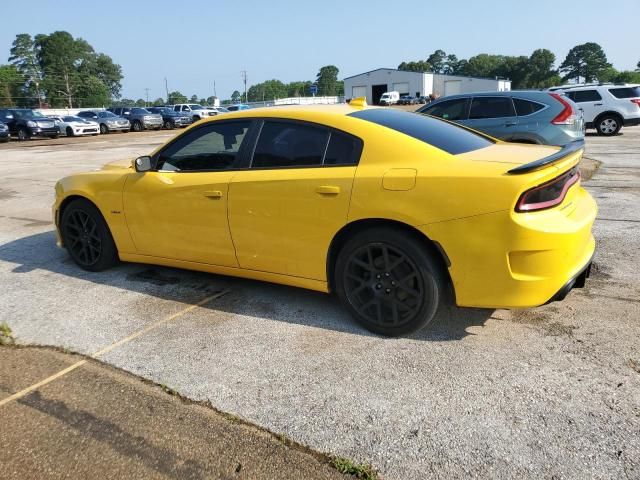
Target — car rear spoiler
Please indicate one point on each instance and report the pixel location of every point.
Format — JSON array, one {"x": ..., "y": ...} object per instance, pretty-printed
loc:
[{"x": 567, "y": 150}]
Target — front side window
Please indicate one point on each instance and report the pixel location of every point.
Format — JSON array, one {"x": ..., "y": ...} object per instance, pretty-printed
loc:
[
  {"x": 449, "y": 109},
  {"x": 211, "y": 147},
  {"x": 491, "y": 107},
  {"x": 283, "y": 144}
]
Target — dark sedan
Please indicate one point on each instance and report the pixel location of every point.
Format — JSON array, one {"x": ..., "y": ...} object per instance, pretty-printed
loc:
[{"x": 4, "y": 132}]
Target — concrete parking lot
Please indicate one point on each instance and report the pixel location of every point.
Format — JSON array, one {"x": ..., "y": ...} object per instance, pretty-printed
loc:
[{"x": 552, "y": 392}]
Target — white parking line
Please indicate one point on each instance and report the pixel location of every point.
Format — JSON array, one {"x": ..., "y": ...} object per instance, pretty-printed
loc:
[{"x": 109, "y": 348}]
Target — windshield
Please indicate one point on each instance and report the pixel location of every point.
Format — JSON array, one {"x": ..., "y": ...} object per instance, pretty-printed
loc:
[
  {"x": 438, "y": 133},
  {"x": 139, "y": 110},
  {"x": 28, "y": 114},
  {"x": 106, "y": 114},
  {"x": 196, "y": 107}
]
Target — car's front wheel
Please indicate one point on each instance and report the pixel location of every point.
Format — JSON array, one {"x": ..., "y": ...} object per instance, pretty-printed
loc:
[
  {"x": 86, "y": 236},
  {"x": 389, "y": 281},
  {"x": 169, "y": 125},
  {"x": 608, "y": 125},
  {"x": 136, "y": 126},
  {"x": 104, "y": 129},
  {"x": 23, "y": 134}
]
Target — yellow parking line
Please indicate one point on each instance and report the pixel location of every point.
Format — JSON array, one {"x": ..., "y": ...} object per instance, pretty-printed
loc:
[{"x": 107, "y": 349}]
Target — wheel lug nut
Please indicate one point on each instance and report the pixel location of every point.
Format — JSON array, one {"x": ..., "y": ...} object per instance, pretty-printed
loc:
[
  {"x": 386, "y": 274},
  {"x": 388, "y": 290},
  {"x": 393, "y": 284},
  {"x": 378, "y": 276},
  {"x": 378, "y": 286}
]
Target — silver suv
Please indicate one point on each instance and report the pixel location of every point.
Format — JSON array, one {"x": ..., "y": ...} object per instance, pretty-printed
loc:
[
  {"x": 606, "y": 107},
  {"x": 140, "y": 118}
]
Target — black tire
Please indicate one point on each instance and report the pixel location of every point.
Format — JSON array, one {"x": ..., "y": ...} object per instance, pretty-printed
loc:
[
  {"x": 23, "y": 134},
  {"x": 389, "y": 281},
  {"x": 608, "y": 125},
  {"x": 104, "y": 129},
  {"x": 136, "y": 126},
  {"x": 55, "y": 136},
  {"x": 86, "y": 237},
  {"x": 169, "y": 125},
  {"x": 195, "y": 118},
  {"x": 69, "y": 132}
]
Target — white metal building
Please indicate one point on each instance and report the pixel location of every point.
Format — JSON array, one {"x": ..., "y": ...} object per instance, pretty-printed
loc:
[{"x": 374, "y": 83}]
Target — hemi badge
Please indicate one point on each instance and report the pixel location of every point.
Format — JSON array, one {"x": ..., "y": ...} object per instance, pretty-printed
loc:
[{"x": 115, "y": 211}]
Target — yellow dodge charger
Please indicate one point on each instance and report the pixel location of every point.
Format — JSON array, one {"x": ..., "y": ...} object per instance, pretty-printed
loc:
[{"x": 397, "y": 213}]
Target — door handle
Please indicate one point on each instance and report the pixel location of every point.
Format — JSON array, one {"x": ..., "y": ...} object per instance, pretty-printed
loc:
[
  {"x": 510, "y": 124},
  {"x": 328, "y": 190},
  {"x": 213, "y": 194},
  {"x": 597, "y": 104}
]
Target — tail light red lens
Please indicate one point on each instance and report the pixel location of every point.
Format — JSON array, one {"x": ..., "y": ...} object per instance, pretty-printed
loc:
[
  {"x": 549, "y": 194},
  {"x": 636, "y": 101},
  {"x": 567, "y": 115}
]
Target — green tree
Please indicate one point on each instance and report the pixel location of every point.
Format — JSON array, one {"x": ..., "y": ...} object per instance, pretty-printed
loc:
[
  {"x": 452, "y": 66},
  {"x": 483, "y": 65},
  {"x": 327, "y": 80},
  {"x": 92, "y": 92},
  {"x": 299, "y": 89},
  {"x": 211, "y": 100},
  {"x": 158, "y": 102},
  {"x": 176, "y": 97},
  {"x": 11, "y": 84},
  {"x": 23, "y": 57},
  {"x": 514, "y": 68},
  {"x": 193, "y": 99},
  {"x": 236, "y": 96},
  {"x": 638, "y": 66},
  {"x": 587, "y": 61},
  {"x": 268, "y": 90},
  {"x": 541, "y": 73},
  {"x": 419, "y": 66},
  {"x": 437, "y": 60}
]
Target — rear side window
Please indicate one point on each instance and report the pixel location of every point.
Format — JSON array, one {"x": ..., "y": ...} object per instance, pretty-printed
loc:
[
  {"x": 283, "y": 144},
  {"x": 449, "y": 109},
  {"x": 491, "y": 107},
  {"x": 526, "y": 107},
  {"x": 438, "y": 133},
  {"x": 584, "y": 96},
  {"x": 343, "y": 149},
  {"x": 626, "y": 92}
]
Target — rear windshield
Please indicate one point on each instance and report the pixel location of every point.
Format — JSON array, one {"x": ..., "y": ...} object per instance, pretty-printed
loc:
[
  {"x": 440, "y": 134},
  {"x": 625, "y": 92}
]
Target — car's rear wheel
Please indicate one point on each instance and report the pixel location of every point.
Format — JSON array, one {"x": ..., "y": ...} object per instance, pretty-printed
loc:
[
  {"x": 195, "y": 118},
  {"x": 389, "y": 281},
  {"x": 23, "y": 134},
  {"x": 136, "y": 126},
  {"x": 608, "y": 125},
  {"x": 104, "y": 129},
  {"x": 86, "y": 236}
]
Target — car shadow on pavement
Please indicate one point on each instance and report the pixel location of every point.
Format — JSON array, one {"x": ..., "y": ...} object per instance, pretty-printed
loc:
[{"x": 245, "y": 297}]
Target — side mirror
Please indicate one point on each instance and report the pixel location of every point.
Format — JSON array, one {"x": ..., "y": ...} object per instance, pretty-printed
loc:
[{"x": 143, "y": 164}]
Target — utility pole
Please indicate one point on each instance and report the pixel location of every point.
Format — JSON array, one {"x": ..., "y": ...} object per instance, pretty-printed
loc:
[
  {"x": 244, "y": 77},
  {"x": 146, "y": 104},
  {"x": 166, "y": 87},
  {"x": 215, "y": 94}
]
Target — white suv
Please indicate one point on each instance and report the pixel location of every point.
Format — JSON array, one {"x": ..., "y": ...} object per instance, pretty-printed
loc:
[
  {"x": 606, "y": 107},
  {"x": 195, "y": 111}
]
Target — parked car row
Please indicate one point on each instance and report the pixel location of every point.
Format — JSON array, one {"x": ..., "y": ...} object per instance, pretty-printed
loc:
[{"x": 556, "y": 116}]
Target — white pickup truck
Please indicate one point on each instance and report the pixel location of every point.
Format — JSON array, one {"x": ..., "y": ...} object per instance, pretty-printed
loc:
[{"x": 197, "y": 112}]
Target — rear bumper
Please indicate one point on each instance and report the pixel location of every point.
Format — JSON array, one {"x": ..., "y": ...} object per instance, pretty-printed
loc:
[
  {"x": 579, "y": 281},
  {"x": 513, "y": 260}
]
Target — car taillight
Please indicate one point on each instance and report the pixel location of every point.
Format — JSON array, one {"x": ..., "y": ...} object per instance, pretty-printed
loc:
[
  {"x": 549, "y": 194},
  {"x": 567, "y": 115},
  {"x": 636, "y": 101}
]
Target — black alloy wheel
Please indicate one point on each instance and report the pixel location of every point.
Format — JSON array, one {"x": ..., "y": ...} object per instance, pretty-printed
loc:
[
  {"x": 389, "y": 282},
  {"x": 86, "y": 237}
]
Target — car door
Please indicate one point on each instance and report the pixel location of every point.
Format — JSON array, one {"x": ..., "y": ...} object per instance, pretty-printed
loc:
[
  {"x": 495, "y": 116},
  {"x": 179, "y": 210},
  {"x": 590, "y": 101},
  {"x": 286, "y": 208}
]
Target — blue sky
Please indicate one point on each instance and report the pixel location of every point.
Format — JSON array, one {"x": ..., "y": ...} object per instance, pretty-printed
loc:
[{"x": 193, "y": 43}]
